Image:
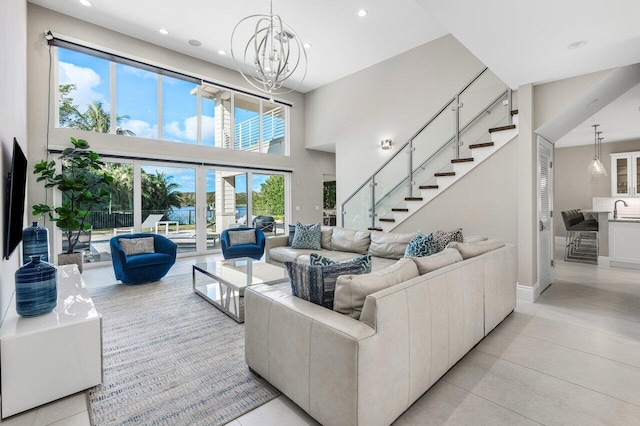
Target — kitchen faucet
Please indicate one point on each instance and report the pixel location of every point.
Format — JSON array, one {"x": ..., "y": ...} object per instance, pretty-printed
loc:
[{"x": 615, "y": 207}]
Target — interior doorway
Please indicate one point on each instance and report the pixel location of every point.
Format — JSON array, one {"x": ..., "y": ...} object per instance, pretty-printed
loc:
[{"x": 545, "y": 213}]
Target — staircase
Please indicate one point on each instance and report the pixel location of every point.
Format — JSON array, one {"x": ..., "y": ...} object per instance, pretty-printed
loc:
[{"x": 473, "y": 125}]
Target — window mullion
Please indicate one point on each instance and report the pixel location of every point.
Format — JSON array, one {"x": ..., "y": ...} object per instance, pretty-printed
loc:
[
  {"x": 261, "y": 137},
  {"x": 113, "y": 113},
  {"x": 159, "y": 107},
  {"x": 233, "y": 121},
  {"x": 199, "y": 115}
]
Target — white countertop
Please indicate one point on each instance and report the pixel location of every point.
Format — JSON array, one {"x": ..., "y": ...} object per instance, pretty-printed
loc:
[{"x": 74, "y": 305}]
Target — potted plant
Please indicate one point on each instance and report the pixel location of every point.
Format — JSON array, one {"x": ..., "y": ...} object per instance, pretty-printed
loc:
[{"x": 82, "y": 182}]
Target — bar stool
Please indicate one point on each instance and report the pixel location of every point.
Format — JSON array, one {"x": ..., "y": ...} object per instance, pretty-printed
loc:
[{"x": 582, "y": 241}]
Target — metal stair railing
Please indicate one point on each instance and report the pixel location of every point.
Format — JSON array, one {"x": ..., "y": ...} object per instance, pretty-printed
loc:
[{"x": 366, "y": 215}]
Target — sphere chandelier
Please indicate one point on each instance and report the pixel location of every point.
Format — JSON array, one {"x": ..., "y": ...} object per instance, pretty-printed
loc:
[{"x": 271, "y": 55}]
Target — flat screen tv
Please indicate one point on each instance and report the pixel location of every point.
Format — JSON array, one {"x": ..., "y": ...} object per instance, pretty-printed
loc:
[{"x": 14, "y": 202}]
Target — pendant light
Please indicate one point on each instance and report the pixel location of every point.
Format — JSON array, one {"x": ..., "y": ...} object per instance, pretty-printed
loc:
[{"x": 596, "y": 168}]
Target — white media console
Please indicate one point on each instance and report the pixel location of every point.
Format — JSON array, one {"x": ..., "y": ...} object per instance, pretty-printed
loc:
[{"x": 54, "y": 355}]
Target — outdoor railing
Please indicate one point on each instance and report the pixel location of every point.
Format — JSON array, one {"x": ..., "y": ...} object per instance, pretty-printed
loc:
[
  {"x": 247, "y": 136},
  {"x": 465, "y": 119}
]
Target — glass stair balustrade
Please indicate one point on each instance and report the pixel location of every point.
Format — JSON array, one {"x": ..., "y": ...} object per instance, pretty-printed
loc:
[{"x": 426, "y": 163}]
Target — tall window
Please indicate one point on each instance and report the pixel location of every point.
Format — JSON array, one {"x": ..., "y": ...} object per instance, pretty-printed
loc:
[{"x": 153, "y": 105}]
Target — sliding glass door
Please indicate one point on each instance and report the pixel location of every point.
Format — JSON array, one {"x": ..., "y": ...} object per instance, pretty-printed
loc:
[{"x": 191, "y": 205}]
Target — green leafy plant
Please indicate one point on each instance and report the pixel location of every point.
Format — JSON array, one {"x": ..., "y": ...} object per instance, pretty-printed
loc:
[{"x": 82, "y": 182}]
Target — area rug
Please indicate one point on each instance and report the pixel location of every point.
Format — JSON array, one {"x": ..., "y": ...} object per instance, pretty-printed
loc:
[{"x": 170, "y": 358}]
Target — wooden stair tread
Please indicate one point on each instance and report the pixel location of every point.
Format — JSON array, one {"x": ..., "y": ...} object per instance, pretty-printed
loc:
[
  {"x": 413, "y": 199},
  {"x": 499, "y": 129},
  {"x": 374, "y": 228},
  {"x": 462, "y": 160},
  {"x": 386, "y": 219},
  {"x": 428, "y": 186},
  {"x": 480, "y": 145},
  {"x": 514, "y": 112},
  {"x": 445, "y": 174},
  {"x": 399, "y": 210}
]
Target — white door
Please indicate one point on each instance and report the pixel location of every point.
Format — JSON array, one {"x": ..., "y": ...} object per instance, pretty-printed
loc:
[{"x": 545, "y": 214}]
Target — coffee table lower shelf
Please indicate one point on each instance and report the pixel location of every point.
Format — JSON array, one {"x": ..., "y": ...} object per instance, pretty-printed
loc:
[{"x": 228, "y": 280}]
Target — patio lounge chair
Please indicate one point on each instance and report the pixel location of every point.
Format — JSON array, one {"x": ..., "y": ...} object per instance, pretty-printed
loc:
[{"x": 149, "y": 222}]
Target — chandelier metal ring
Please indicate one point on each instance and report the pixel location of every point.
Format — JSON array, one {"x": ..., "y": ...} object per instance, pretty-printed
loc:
[{"x": 271, "y": 56}]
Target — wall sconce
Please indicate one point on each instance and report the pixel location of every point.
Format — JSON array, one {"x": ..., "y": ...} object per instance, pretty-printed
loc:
[{"x": 386, "y": 144}]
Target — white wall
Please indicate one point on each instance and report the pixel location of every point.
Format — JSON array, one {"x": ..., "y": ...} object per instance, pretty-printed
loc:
[
  {"x": 390, "y": 100},
  {"x": 484, "y": 202},
  {"x": 13, "y": 118},
  {"x": 308, "y": 165}
]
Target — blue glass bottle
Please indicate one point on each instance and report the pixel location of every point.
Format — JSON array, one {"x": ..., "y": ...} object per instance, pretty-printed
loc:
[
  {"x": 36, "y": 288},
  {"x": 35, "y": 241}
]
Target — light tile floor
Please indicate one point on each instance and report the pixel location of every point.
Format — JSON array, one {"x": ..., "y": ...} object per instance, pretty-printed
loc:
[{"x": 571, "y": 358}]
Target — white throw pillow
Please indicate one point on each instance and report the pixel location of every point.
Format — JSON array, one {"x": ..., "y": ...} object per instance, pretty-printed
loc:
[
  {"x": 133, "y": 246},
  {"x": 352, "y": 290}
]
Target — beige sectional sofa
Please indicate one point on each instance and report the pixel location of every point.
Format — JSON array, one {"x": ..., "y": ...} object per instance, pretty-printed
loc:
[
  {"x": 367, "y": 371},
  {"x": 342, "y": 244}
]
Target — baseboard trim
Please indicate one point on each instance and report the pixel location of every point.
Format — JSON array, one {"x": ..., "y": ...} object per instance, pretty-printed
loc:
[
  {"x": 625, "y": 265},
  {"x": 525, "y": 293}
]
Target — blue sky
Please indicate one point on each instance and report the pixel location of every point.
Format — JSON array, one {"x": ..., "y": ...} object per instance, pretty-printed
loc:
[{"x": 136, "y": 97}]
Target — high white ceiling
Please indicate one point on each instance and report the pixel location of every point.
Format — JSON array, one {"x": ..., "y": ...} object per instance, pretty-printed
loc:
[
  {"x": 525, "y": 41},
  {"x": 342, "y": 42}
]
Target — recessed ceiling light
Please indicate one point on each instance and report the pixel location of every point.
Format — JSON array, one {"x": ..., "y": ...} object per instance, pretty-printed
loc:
[
  {"x": 163, "y": 31},
  {"x": 195, "y": 43},
  {"x": 362, "y": 12},
  {"x": 577, "y": 44},
  {"x": 85, "y": 2},
  {"x": 307, "y": 45},
  {"x": 221, "y": 52}
]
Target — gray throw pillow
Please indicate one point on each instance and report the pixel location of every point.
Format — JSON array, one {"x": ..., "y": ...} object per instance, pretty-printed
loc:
[
  {"x": 316, "y": 283},
  {"x": 133, "y": 246},
  {"x": 237, "y": 238},
  {"x": 307, "y": 237}
]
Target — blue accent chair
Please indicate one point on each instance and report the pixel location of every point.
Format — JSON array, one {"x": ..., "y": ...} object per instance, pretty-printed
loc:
[
  {"x": 254, "y": 251},
  {"x": 146, "y": 267}
]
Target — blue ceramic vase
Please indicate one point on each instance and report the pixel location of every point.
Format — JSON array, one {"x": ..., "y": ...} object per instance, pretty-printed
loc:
[
  {"x": 35, "y": 241},
  {"x": 36, "y": 288}
]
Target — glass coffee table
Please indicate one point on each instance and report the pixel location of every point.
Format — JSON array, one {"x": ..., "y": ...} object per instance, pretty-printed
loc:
[{"x": 229, "y": 278}]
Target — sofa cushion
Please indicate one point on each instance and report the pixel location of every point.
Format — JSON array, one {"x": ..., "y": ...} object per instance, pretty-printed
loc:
[
  {"x": 326, "y": 233},
  {"x": 352, "y": 290},
  {"x": 307, "y": 236},
  {"x": 443, "y": 238},
  {"x": 148, "y": 259},
  {"x": 475, "y": 239},
  {"x": 287, "y": 254},
  {"x": 317, "y": 283},
  {"x": 421, "y": 245},
  {"x": 349, "y": 240},
  {"x": 446, "y": 257},
  {"x": 390, "y": 245},
  {"x": 133, "y": 246},
  {"x": 237, "y": 238},
  {"x": 319, "y": 260},
  {"x": 469, "y": 250}
]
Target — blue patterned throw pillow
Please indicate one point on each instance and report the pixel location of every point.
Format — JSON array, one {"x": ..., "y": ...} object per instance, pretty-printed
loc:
[
  {"x": 307, "y": 237},
  {"x": 421, "y": 245},
  {"x": 366, "y": 261},
  {"x": 317, "y": 283}
]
